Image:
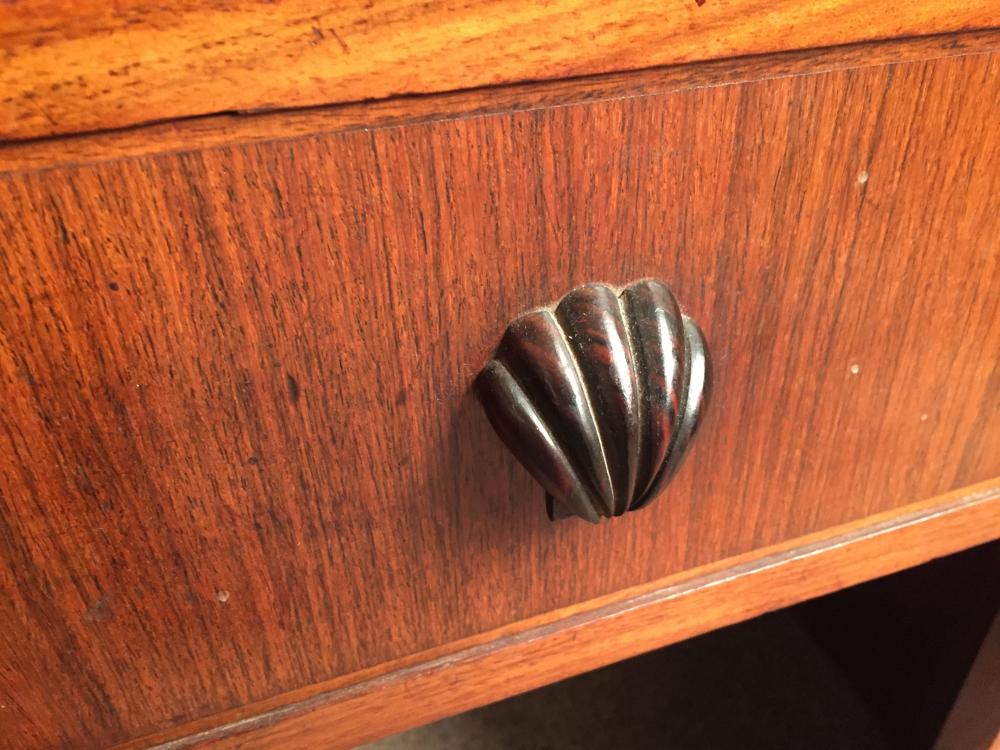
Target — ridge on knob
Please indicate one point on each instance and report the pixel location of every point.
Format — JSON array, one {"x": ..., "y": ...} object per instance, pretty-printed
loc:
[{"x": 598, "y": 396}]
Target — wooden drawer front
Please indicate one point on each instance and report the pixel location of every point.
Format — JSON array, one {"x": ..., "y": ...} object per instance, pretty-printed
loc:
[{"x": 240, "y": 454}]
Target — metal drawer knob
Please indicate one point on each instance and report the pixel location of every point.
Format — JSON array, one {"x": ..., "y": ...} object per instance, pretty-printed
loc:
[{"x": 599, "y": 396}]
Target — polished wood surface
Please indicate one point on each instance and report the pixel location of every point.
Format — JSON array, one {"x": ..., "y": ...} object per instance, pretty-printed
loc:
[
  {"x": 89, "y": 65},
  {"x": 232, "y": 129},
  {"x": 551, "y": 647},
  {"x": 240, "y": 455}
]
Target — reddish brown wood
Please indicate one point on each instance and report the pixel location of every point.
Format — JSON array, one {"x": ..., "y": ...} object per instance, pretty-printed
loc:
[
  {"x": 551, "y": 647},
  {"x": 238, "y": 451},
  {"x": 229, "y": 130},
  {"x": 71, "y": 66}
]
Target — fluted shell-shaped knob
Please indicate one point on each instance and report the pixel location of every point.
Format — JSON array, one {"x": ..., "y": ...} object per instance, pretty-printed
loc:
[{"x": 599, "y": 396}]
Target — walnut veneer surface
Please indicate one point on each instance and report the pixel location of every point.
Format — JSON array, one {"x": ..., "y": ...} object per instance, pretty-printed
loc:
[
  {"x": 238, "y": 450},
  {"x": 91, "y": 65}
]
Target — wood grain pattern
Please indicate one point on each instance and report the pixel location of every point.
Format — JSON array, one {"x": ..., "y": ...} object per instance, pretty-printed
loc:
[
  {"x": 238, "y": 452},
  {"x": 89, "y": 65},
  {"x": 229, "y": 130},
  {"x": 593, "y": 634}
]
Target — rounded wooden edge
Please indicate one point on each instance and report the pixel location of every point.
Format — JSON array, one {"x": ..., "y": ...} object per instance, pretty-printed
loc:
[
  {"x": 216, "y": 131},
  {"x": 464, "y": 675},
  {"x": 77, "y": 67}
]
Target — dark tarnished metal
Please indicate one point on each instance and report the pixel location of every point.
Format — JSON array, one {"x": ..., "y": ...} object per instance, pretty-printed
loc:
[{"x": 599, "y": 396}]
